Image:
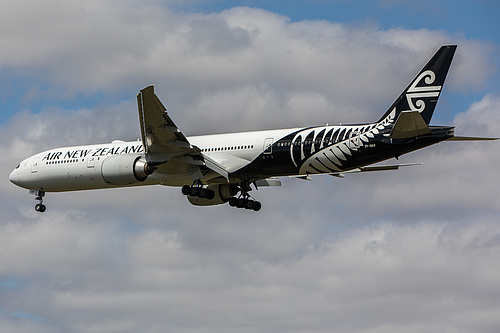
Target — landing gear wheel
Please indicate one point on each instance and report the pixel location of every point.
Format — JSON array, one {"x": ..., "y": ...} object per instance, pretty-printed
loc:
[
  {"x": 40, "y": 208},
  {"x": 198, "y": 191},
  {"x": 233, "y": 201},
  {"x": 186, "y": 189},
  {"x": 240, "y": 203},
  {"x": 245, "y": 203},
  {"x": 194, "y": 191},
  {"x": 249, "y": 204},
  {"x": 202, "y": 192}
]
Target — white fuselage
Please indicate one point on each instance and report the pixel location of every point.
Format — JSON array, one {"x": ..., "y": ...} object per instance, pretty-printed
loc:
[{"x": 79, "y": 167}]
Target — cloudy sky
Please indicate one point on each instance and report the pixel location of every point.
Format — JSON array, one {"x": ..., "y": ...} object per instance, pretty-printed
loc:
[{"x": 409, "y": 251}]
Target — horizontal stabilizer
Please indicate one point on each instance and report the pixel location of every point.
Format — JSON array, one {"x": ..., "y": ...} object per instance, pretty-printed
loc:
[
  {"x": 373, "y": 168},
  {"x": 386, "y": 167},
  {"x": 470, "y": 138},
  {"x": 409, "y": 124}
]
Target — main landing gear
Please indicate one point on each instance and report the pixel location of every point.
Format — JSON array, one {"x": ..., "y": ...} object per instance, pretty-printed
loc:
[
  {"x": 39, "y": 207},
  {"x": 198, "y": 191},
  {"x": 245, "y": 201}
]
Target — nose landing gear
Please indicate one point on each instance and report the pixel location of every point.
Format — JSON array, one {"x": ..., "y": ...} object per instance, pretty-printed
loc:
[{"x": 39, "y": 207}]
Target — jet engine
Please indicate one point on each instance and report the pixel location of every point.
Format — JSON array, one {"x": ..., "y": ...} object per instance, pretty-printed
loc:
[
  {"x": 223, "y": 193},
  {"x": 125, "y": 169}
]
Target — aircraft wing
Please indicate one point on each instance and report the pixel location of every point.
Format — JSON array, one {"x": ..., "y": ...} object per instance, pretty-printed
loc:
[
  {"x": 159, "y": 133},
  {"x": 164, "y": 143}
]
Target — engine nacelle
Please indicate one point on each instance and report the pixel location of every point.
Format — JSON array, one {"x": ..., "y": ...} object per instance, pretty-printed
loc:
[
  {"x": 125, "y": 169},
  {"x": 222, "y": 192}
]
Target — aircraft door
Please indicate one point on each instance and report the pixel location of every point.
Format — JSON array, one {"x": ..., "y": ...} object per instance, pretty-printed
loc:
[
  {"x": 268, "y": 146},
  {"x": 91, "y": 162},
  {"x": 34, "y": 165}
]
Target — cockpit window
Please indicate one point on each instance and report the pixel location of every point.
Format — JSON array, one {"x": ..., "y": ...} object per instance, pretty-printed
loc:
[{"x": 17, "y": 167}]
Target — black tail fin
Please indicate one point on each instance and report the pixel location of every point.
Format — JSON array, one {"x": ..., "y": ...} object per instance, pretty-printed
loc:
[{"x": 423, "y": 92}]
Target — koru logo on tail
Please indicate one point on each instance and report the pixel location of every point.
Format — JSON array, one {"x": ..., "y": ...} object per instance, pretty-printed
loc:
[{"x": 416, "y": 92}]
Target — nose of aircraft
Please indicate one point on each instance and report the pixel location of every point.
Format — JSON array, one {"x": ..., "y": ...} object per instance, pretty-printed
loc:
[{"x": 14, "y": 176}]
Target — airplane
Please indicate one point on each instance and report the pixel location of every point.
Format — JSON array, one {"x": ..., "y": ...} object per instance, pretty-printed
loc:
[{"x": 218, "y": 169}]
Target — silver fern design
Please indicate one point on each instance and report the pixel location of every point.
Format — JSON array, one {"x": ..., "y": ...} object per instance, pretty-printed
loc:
[{"x": 317, "y": 152}]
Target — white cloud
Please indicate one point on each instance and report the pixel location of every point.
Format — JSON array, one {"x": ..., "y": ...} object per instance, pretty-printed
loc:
[
  {"x": 386, "y": 277},
  {"x": 482, "y": 118},
  {"x": 196, "y": 59}
]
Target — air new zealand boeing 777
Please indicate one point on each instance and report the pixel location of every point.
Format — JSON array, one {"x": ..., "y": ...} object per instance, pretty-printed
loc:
[{"x": 218, "y": 169}]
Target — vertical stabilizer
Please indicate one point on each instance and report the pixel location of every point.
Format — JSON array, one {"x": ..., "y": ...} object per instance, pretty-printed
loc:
[{"x": 423, "y": 92}]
